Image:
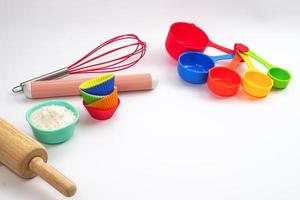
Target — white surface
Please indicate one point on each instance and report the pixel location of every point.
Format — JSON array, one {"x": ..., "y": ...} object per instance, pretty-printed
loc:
[{"x": 178, "y": 141}]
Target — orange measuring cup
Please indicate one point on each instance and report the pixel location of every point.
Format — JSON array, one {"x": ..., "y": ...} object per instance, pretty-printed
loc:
[{"x": 224, "y": 80}]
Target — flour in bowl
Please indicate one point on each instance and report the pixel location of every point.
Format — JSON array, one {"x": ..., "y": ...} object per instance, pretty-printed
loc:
[{"x": 52, "y": 117}]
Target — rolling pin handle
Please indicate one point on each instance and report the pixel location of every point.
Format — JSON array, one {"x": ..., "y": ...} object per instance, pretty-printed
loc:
[
  {"x": 53, "y": 177},
  {"x": 17, "y": 89}
]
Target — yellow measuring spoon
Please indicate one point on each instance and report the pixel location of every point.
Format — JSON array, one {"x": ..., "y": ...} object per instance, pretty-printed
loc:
[{"x": 254, "y": 82}]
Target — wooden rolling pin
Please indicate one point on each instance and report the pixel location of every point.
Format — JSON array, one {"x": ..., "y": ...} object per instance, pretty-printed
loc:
[
  {"x": 27, "y": 158},
  {"x": 69, "y": 87}
]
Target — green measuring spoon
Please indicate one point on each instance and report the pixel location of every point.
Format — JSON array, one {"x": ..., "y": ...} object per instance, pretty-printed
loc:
[{"x": 280, "y": 76}]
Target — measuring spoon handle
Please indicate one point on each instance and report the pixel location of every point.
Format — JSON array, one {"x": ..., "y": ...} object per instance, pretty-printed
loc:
[
  {"x": 259, "y": 59},
  {"x": 219, "y": 47},
  {"x": 235, "y": 61},
  {"x": 222, "y": 57},
  {"x": 247, "y": 61}
]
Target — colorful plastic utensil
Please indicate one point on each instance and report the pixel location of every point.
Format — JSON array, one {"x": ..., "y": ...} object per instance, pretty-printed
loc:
[
  {"x": 280, "y": 76},
  {"x": 254, "y": 82},
  {"x": 185, "y": 36},
  {"x": 101, "y": 85},
  {"x": 193, "y": 66},
  {"x": 224, "y": 80}
]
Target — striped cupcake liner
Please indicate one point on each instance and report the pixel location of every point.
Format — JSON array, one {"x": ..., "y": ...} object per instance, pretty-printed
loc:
[
  {"x": 89, "y": 98},
  {"x": 107, "y": 102},
  {"x": 100, "y": 86}
]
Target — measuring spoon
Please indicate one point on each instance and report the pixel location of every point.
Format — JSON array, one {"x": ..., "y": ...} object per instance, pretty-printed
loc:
[
  {"x": 224, "y": 80},
  {"x": 193, "y": 66},
  {"x": 280, "y": 76},
  {"x": 254, "y": 82},
  {"x": 183, "y": 36}
]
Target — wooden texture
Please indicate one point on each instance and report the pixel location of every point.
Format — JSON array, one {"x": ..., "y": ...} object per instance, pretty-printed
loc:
[
  {"x": 53, "y": 177},
  {"x": 27, "y": 158},
  {"x": 17, "y": 150}
]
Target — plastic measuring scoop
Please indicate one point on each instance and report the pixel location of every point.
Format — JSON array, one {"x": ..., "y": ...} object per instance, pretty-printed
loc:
[
  {"x": 224, "y": 80},
  {"x": 254, "y": 82},
  {"x": 280, "y": 76},
  {"x": 183, "y": 36},
  {"x": 193, "y": 66}
]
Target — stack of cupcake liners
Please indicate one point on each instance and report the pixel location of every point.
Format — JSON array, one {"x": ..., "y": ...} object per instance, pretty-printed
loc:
[{"x": 100, "y": 96}]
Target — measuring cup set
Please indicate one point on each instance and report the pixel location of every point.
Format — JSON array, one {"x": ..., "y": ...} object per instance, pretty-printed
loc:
[{"x": 186, "y": 43}]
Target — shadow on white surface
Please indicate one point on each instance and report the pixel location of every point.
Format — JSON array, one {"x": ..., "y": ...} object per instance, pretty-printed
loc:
[{"x": 28, "y": 188}]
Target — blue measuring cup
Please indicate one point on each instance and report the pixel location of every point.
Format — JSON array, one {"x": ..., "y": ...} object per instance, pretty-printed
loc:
[{"x": 193, "y": 66}]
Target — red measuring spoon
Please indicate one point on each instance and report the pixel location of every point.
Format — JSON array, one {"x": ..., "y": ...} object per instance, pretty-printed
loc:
[
  {"x": 225, "y": 81},
  {"x": 184, "y": 36}
]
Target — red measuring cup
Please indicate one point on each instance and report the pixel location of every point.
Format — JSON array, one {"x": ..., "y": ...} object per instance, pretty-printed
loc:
[
  {"x": 225, "y": 81},
  {"x": 185, "y": 36}
]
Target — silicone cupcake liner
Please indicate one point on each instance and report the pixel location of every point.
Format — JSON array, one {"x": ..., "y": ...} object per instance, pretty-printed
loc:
[
  {"x": 101, "y": 114},
  {"x": 107, "y": 102},
  {"x": 102, "y": 85},
  {"x": 89, "y": 98},
  {"x": 53, "y": 136}
]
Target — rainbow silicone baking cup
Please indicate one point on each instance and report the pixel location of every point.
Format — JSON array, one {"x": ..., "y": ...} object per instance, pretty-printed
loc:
[
  {"x": 101, "y": 85},
  {"x": 89, "y": 98},
  {"x": 101, "y": 114},
  {"x": 107, "y": 102}
]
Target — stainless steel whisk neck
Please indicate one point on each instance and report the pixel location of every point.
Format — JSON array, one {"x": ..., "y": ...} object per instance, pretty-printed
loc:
[{"x": 49, "y": 76}]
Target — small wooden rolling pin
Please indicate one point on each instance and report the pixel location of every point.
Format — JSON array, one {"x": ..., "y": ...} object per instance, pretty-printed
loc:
[
  {"x": 27, "y": 158},
  {"x": 69, "y": 87}
]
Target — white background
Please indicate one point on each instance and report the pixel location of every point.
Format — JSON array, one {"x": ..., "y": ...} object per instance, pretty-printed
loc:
[{"x": 178, "y": 141}]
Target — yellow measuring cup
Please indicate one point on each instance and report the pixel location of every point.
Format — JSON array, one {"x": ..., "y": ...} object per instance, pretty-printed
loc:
[{"x": 254, "y": 82}]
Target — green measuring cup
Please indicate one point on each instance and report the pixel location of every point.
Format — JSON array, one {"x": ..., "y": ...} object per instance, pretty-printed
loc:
[{"x": 280, "y": 76}]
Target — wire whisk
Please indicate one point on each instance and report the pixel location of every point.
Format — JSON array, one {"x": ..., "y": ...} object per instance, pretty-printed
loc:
[{"x": 116, "y": 54}]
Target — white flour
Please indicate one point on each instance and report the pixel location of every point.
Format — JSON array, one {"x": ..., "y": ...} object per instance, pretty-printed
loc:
[{"x": 52, "y": 117}]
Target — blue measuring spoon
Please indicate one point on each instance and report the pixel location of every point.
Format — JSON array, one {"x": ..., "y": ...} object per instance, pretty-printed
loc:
[{"x": 193, "y": 66}]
